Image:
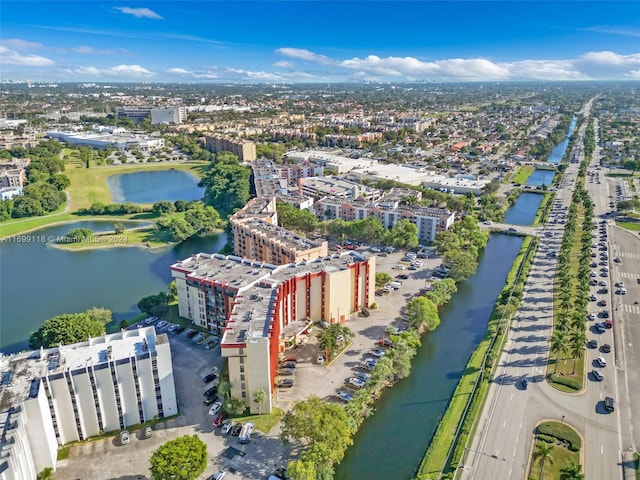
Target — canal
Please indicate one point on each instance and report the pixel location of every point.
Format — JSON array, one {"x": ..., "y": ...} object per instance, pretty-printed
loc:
[
  {"x": 390, "y": 444},
  {"x": 558, "y": 151},
  {"x": 541, "y": 177},
  {"x": 523, "y": 212}
]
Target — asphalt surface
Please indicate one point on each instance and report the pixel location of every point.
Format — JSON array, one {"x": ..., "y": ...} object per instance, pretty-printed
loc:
[{"x": 502, "y": 445}]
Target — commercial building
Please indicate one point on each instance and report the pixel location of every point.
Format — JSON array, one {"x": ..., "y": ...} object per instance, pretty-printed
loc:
[
  {"x": 272, "y": 179},
  {"x": 337, "y": 163},
  {"x": 256, "y": 235},
  {"x": 260, "y": 307},
  {"x": 177, "y": 114},
  {"x": 389, "y": 209},
  {"x": 244, "y": 149},
  {"x": 336, "y": 187},
  {"x": 103, "y": 140},
  {"x": 50, "y": 397}
]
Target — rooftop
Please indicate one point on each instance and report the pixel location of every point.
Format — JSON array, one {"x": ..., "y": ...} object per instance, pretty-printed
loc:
[{"x": 21, "y": 372}]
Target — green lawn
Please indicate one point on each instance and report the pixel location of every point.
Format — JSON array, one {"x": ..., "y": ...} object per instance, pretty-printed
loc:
[
  {"x": 561, "y": 458},
  {"x": 635, "y": 227},
  {"x": 263, "y": 423},
  {"x": 522, "y": 174},
  {"x": 149, "y": 237}
]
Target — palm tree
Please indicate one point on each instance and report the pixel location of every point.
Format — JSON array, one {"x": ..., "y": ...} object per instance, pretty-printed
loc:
[
  {"x": 224, "y": 388},
  {"x": 577, "y": 340},
  {"x": 543, "y": 452},
  {"x": 558, "y": 345},
  {"x": 572, "y": 472},
  {"x": 259, "y": 396}
]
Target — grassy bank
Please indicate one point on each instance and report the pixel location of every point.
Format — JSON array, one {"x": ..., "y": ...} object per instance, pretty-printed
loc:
[
  {"x": 446, "y": 447},
  {"x": 148, "y": 237},
  {"x": 543, "y": 211},
  {"x": 522, "y": 174}
]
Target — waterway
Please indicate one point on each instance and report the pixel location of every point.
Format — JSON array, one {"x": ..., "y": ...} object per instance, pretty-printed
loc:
[
  {"x": 391, "y": 443},
  {"x": 541, "y": 177},
  {"x": 154, "y": 186},
  {"x": 523, "y": 212},
  {"x": 558, "y": 151},
  {"x": 39, "y": 281}
]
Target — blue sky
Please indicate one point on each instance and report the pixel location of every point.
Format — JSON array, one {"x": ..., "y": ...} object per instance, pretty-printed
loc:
[{"x": 318, "y": 41}]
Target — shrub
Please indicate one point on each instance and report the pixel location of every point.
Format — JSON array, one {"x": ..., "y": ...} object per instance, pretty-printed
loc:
[
  {"x": 562, "y": 433},
  {"x": 567, "y": 382}
]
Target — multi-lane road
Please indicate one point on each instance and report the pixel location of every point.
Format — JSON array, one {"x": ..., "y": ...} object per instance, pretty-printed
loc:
[{"x": 502, "y": 444}]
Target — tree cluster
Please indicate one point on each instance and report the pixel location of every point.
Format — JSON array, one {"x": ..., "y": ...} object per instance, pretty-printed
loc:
[
  {"x": 403, "y": 234},
  {"x": 197, "y": 219},
  {"x": 183, "y": 458},
  {"x": 156, "y": 305},
  {"x": 294, "y": 218},
  {"x": 461, "y": 246},
  {"x": 44, "y": 191},
  {"x": 227, "y": 184},
  {"x": 111, "y": 209},
  {"x": 70, "y": 328}
]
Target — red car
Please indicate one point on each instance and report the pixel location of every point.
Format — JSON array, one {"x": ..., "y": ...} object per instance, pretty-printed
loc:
[{"x": 218, "y": 420}]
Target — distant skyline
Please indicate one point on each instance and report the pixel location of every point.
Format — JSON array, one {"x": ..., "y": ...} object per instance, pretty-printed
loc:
[{"x": 318, "y": 41}]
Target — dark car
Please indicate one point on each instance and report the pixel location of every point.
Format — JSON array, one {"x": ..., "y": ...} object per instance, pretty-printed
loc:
[
  {"x": 593, "y": 343},
  {"x": 288, "y": 365},
  {"x": 211, "y": 391},
  {"x": 385, "y": 343},
  {"x": 285, "y": 383},
  {"x": 609, "y": 404},
  {"x": 237, "y": 428},
  {"x": 281, "y": 473},
  {"x": 192, "y": 333},
  {"x": 606, "y": 348},
  {"x": 210, "y": 401},
  {"x": 179, "y": 330},
  {"x": 286, "y": 371},
  {"x": 403, "y": 276},
  {"x": 524, "y": 383},
  {"x": 209, "y": 378}
]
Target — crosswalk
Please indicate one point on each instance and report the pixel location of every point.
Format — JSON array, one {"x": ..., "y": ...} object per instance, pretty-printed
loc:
[
  {"x": 630, "y": 308},
  {"x": 632, "y": 255},
  {"x": 629, "y": 275}
]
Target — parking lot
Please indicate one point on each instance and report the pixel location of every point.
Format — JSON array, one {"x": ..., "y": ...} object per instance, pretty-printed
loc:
[{"x": 108, "y": 459}]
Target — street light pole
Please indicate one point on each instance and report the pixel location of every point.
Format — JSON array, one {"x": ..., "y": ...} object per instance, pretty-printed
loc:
[{"x": 562, "y": 421}]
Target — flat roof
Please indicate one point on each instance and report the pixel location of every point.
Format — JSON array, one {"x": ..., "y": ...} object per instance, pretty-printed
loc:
[
  {"x": 283, "y": 236},
  {"x": 21, "y": 372}
]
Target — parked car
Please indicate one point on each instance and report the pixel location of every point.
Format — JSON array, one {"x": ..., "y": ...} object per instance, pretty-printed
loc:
[
  {"x": 606, "y": 348},
  {"x": 524, "y": 383},
  {"x": 210, "y": 400},
  {"x": 597, "y": 375},
  {"x": 192, "y": 333},
  {"x": 385, "y": 342},
  {"x": 245, "y": 433},
  {"x": 179, "y": 330},
  {"x": 226, "y": 427},
  {"x": 290, "y": 358},
  {"x": 211, "y": 391},
  {"x": 285, "y": 383},
  {"x": 124, "y": 437},
  {"x": 211, "y": 344},
  {"x": 609, "y": 404},
  {"x": 342, "y": 395},
  {"x": 209, "y": 378},
  {"x": 215, "y": 408},
  {"x": 320, "y": 359},
  {"x": 601, "y": 361},
  {"x": 591, "y": 316},
  {"x": 356, "y": 382},
  {"x": 288, "y": 365},
  {"x": 217, "y": 422},
  {"x": 602, "y": 303},
  {"x": 237, "y": 428},
  {"x": 377, "y": 352},
  {"x": 362, "y": 376},
  {"x": 218, "y": 475},
  {"x": 593, "y": 343}
]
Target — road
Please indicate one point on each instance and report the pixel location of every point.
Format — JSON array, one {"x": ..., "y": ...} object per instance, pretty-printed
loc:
[
  {"x": 505, "y": 227},
  {"x": 502, "y": 445}
]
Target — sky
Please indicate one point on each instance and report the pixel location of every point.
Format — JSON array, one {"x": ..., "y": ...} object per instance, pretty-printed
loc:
[{"x": 318, "y": 41}]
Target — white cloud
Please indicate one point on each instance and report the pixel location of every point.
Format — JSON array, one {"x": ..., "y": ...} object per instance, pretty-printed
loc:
[
  {"x": 118, "y": 70},
  {"x": 627, "y": 32},
  {"x": 179, "y": 71},
  {"x": 284, "y": 64},
  {"x": 591, "y": 65},
  {"x": 11, "y": 57},
  {"x": 139, "y": 12},
  {"x": 304, "y": 54},
  {"x": 634, "y": 74},
  {"x": 84, "y": 49},
  {"x": 19, "y": 44}
]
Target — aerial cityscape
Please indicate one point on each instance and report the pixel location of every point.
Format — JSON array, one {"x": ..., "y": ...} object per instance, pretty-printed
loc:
[{"x": 319, "y": 240}]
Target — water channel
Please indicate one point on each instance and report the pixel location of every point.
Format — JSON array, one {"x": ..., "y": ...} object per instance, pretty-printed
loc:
[
  {"x": 391, "y": 443},
  {"x": 558, "y": 151},
  {"x": 541, "y": 177},
  {"x": 523, "y": 212}
]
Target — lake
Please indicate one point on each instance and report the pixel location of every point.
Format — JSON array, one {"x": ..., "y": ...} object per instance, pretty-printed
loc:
[
  {"x": 154, "y": 186},
  {"x": 40, "y": 281}
]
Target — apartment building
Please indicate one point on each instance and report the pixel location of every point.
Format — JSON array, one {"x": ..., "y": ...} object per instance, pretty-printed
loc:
[
  {"x": 389, "y": 209},
  {"x": 244, "y": 149},
  {"x": 50, "y": 397},
  {"x": 9, "y": 139},
  {"x": 103, "y": 140},
  {"x": 259, "y": 307}
]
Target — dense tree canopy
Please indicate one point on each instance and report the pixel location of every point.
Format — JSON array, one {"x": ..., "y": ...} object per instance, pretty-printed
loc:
[
  {"x": 422, "y": 312},
  {"x": 66, "y": 329},
  {"x": 184, "y": 458},
  {"x": 296, "y": 219},
  {"x": 227, "y": 184}
]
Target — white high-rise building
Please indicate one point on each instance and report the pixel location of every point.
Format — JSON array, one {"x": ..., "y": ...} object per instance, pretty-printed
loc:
[{"x": 51, "y": 397}]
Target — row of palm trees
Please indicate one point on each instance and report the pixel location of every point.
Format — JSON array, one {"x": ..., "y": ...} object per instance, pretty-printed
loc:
[{"x": 569, "y": 333}]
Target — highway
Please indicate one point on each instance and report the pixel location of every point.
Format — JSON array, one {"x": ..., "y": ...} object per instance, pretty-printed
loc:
[{"x": 502, "y": 445}]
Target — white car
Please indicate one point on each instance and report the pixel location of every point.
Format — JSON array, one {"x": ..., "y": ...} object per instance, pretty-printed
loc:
[
  {"x": 601, "y": 361},
  {"x": 219, "y": 475},
  {"x": 356, "y": 382},
  {"x": 376, "y": 352},
  {"x": 342, "y": 395},
  {"x": 124, "y": 437},
  {"x": 161, "y": 324},
  {"x": 620, "y": 284},
  {"x": 375, "y": 250},
  {"x": 591, "y": 316},
  {"x": 597, "y": 374},
  {"x": 215, "y": 408}
]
